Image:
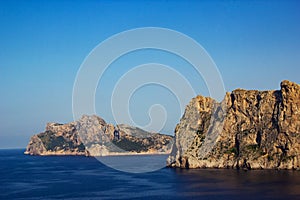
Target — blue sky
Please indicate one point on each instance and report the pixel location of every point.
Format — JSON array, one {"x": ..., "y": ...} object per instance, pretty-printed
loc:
[{"x": 255, "y": 45}]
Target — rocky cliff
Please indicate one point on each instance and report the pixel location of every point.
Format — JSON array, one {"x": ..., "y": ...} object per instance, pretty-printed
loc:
[
  {"x": 91, "y": 135},
  {"x": 249, "y": 129}
]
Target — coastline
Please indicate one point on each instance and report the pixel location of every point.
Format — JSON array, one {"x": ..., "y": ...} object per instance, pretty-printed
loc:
[{"x": 97, "y": 155}]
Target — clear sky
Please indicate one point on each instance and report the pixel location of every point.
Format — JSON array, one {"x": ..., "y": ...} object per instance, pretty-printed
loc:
[{"x": 255, "y": 45}]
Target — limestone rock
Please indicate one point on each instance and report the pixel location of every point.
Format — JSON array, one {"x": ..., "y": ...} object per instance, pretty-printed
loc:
[
  {"x": 249, "y": 129},
  {"x": 92, "y": 136}
]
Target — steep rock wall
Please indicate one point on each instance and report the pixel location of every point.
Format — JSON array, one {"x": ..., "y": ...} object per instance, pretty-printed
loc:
[{"x": 249, "y": 129}]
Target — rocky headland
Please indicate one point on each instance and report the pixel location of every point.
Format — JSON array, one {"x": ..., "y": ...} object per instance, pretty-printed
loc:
[
  {"x": 249, "y": 129},
  {"x": 92, "y": 136}
]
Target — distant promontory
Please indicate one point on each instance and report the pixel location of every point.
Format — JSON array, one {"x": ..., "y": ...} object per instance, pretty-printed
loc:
[{"x": 92, "y": 136}]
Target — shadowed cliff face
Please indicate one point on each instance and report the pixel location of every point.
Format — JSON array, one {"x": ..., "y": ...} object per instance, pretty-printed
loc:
[
  {"x": 249, "y": 129},
  {"x": 91, "y": 135}
]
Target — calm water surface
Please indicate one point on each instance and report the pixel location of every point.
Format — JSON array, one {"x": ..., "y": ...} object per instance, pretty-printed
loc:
[{"x": 69, "y": 177}]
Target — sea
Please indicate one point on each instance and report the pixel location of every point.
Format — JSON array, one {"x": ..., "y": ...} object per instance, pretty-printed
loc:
[{"x": 78, "y": 177}]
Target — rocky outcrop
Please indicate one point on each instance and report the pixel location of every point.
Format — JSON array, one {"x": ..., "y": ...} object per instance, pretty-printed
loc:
[
  {"x": 249, "y": 129},
  {"x": 92, "y": 136}
]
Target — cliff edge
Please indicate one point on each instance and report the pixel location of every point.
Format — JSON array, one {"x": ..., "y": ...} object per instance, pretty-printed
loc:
[{"x": 249, "y": 129}]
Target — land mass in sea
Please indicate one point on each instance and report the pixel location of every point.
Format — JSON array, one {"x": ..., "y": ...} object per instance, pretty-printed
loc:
[{"x": 249, "y": 129}]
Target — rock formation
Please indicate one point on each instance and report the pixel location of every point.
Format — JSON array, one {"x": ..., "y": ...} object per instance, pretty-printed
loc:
[
  {"x": 249, "y": 129},
  {"x": 92, "y": 136}
]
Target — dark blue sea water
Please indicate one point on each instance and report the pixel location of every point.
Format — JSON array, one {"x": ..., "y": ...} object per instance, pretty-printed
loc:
[{"x": 70, "y": 177}]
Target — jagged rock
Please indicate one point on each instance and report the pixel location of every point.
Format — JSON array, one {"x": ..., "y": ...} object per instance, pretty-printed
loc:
[
  {"x": 249, "y": 129},
  {"x": 92, "y": 136},
  {"x": 35, "y": 146}
]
